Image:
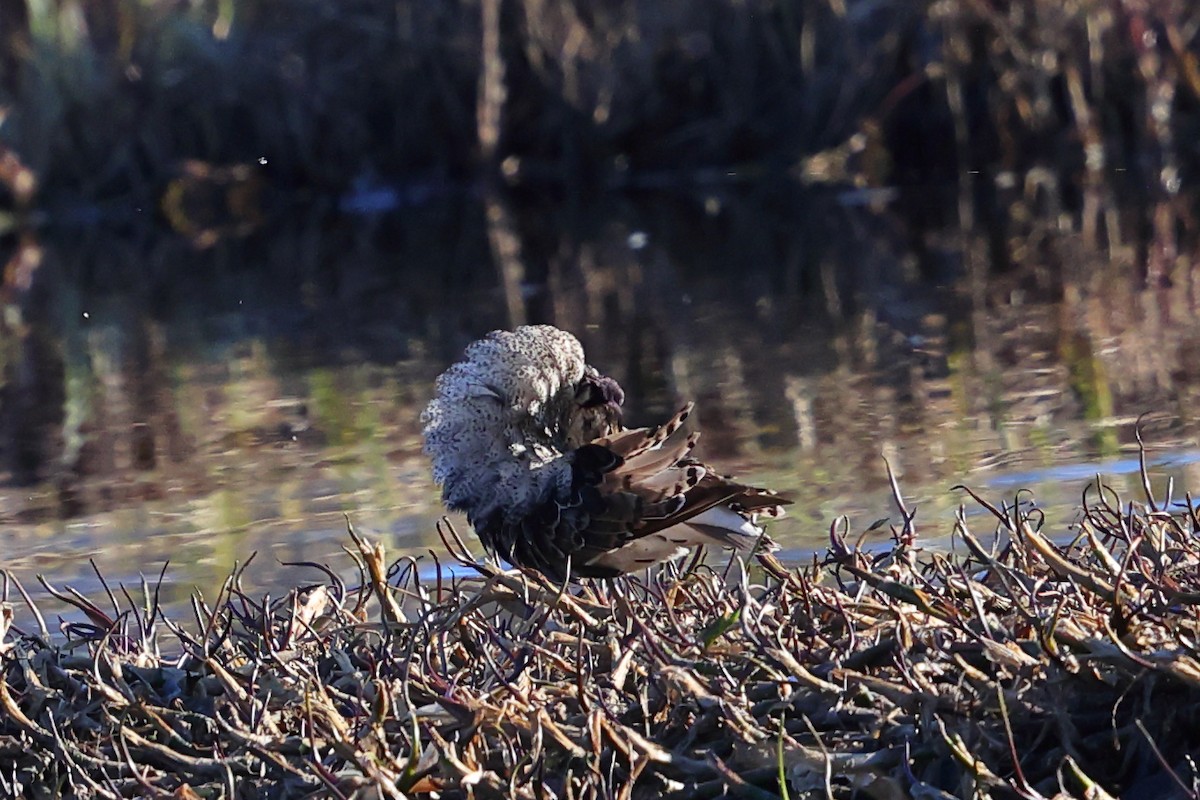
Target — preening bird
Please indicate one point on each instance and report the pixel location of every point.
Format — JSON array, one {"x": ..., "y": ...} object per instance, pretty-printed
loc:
[{"x": 527, "y": 439}]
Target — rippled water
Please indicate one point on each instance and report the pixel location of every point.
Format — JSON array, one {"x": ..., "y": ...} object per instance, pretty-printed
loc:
[{"x": 231, "y": 406}]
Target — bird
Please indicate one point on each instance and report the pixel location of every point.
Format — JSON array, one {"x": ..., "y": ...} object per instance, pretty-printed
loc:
[{"x": 528, "y": 440}]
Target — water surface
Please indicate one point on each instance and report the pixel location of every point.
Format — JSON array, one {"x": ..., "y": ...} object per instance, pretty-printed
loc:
[{"x": 166, "y": 402}]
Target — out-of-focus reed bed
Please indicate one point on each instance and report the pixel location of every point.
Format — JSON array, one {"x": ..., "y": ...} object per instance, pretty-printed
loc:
[
  {"x": 1018, "y": 667},
  {"x": 1042, "y": 107}
]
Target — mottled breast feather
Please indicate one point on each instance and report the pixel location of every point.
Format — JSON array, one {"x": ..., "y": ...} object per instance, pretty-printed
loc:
[
  {"x": 527, "y": 440},
  {"x": 490, "y": 428}
]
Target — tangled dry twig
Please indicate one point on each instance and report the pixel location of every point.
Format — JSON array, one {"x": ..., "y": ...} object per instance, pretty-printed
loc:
[{"x": 1026, "y": 668}]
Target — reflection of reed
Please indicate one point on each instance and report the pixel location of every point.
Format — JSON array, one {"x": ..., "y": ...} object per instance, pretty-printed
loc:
[
  {"x": 259, "y": 419},
  {"x": 31, "y": 403},
  {"x": 672, "y": 300},
  {"x": 771, "y": 371},
  {"x": 506, "y": 252},
  {"x": 16, "y": 45}
]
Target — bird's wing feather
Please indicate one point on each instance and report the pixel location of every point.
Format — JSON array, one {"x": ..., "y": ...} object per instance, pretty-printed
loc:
[{"x": 659, "y": 489}]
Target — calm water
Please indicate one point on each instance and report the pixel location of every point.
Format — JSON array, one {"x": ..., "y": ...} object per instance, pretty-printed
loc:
[{"x": 199, "y": 405}]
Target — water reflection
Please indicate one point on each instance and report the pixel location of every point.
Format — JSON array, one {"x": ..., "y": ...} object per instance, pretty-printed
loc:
[{"x": 198, "y": 405}]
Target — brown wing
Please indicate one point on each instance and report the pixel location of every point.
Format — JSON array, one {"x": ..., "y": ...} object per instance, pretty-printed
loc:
[
  {"x": 636, "y": 497},
  {"x": 660, "y": 491}
]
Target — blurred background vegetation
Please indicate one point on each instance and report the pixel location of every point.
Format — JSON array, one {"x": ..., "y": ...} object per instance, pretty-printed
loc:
[
  {"x": 947, "y": 231},
  {"x": 217, "y": 117}
]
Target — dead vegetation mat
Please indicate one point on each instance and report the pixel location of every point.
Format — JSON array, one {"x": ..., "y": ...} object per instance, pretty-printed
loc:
[{"x": 1022, "y": 662}]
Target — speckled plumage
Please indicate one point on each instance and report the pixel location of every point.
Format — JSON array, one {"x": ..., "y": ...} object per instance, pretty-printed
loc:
[{"x": 527, "y": 439}]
